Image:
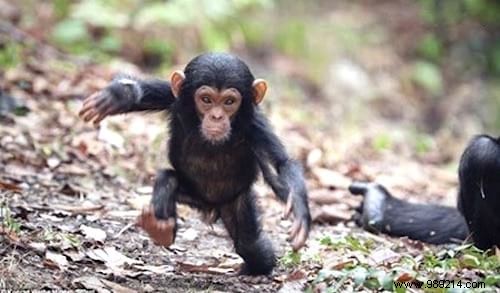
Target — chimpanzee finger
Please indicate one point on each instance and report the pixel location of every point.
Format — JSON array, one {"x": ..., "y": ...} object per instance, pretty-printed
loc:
[
  {"x": 90, "y": 99},
  {"x": 294, "y": 229},
  {"x": 107, "y": 109},
  {"x": 90, "y": 111},
  {"x": 84, "y": 113},
  {"x": 91, "y": 115},
  {"x": 94, "y": 103},
  {"x": 86, "y": 108},
  {"x": 289, "y": 207},
  {"x": 301, "y": 237}
]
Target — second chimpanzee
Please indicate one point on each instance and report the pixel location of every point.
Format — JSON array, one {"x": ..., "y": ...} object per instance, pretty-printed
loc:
[
  {"x": 478, "y": 204},
  {"x": 219, "y": 141}
]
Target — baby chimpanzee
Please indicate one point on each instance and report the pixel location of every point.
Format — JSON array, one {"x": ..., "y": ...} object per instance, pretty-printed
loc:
[{"x": 219, "y": 141}]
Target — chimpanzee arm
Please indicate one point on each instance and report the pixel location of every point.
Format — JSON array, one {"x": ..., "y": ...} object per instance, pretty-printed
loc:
[
  {"x": 127, "y": 94},
  {"x": 287, "y": 181},
  {"x": 382, "y": 212}
]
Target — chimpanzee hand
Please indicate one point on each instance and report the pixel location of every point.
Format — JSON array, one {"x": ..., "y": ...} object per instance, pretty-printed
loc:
[
  {"x": 116, "y": 98},
  {"x": 301, "y": 219},
  {"x": 162, "y": 232}
]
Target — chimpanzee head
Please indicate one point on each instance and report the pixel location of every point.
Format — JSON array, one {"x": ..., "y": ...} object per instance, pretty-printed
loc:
[{"x": 219, "y": 91}]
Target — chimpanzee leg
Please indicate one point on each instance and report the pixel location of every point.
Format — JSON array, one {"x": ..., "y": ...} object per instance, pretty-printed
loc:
[
  {"x": 167, "y": 192},
  {"x": 164, "y": 194},
  {"x": 381, "y": 212},
  {"x": 241, "y": 219},
  {"x": 159, "y": 221}
]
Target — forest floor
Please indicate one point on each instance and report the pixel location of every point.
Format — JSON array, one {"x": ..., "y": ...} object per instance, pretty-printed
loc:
[{"x": 70, "y": 194}]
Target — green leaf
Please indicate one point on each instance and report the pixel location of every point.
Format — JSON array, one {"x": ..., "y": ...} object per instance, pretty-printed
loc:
[
  {"x": 428, "y": 76},
  {"x": 327, "y": 240},
  {"x": 430, "y": 47},
  {"x": 100, "y": 13},
  {"x": 70, "y": 31},
  {"x": 372, "y": 283},
  {"x": 470, "y": 261},
  {"x": 292, "y": 258},
  {"x": 110, "y": 43},
  {"x": 215, "y": 39},
  {"x": 10, "y": 55},
  {"x": 382, "y": 142},
  {"x": 492, "y": 280}
]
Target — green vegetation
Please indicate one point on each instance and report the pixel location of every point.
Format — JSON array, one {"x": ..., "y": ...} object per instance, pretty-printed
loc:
[
  {"x": 361, "y": 274},
  {"x": 290, "y": 259},
  {"x": 7, "y": 220},
  {"x": 10, "y": 55}
]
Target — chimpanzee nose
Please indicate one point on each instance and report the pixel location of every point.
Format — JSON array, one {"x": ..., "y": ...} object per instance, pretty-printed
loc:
[{"x": 216, "y": 115}]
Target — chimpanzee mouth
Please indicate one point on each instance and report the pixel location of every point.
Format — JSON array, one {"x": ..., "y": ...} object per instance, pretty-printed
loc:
[{"x": 215, "y": 135}]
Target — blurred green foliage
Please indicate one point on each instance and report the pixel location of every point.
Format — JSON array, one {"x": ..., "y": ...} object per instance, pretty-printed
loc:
[
  {"x": 464, "y": 34},
  {"x": 457, "y": 16},
  {"x": 101, "y": 28},
  {"x": 428, "y": 76},
  {"x": 10, "y": 55}
]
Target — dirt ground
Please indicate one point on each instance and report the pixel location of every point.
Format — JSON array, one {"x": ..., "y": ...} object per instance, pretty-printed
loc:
[{"x": 70, "y": 195}]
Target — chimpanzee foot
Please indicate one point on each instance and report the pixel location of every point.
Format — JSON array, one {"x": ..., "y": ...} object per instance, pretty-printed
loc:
[{"x": 162, "y": 232}]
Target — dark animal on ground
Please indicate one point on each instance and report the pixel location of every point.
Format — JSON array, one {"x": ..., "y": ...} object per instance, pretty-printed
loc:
[{"x": 477, "y": 216}]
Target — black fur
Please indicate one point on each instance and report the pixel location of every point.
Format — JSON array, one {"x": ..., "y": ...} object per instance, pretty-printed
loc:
[
  {"x": 218, "y": 178},
  {"x": 479, "y": 195},
  {"x": 381, "y": 212},
  {"x": 140, "y": 95},
  {"x": 478, "y": 204}
]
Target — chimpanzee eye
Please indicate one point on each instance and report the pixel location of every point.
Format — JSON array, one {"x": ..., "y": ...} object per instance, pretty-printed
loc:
[
  {"x": 229, "y": 102},
  {"x": 206, "y": 100}
]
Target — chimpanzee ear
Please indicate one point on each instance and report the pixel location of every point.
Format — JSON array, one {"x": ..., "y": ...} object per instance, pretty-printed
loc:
[
  {"x": 259, "y": 90},
  {"x": 176, "y": 81}
]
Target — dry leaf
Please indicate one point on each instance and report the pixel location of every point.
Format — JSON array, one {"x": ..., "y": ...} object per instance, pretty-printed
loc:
[
  {"x": 326, "y": 196},
  {"x": 330, "y": 178},
  {"x": 111, "y": 257},
  {"x": 314, "y": 157},
  {"x": 95, "y": 234},
  {"x": 155, "y": 269},
  {"x": 405, "y": 277},
  {"x": 189, "y": 234},
  {"x": 38, "y": 247},
  {"x": 55, "y": 260},
  {"x": 9, "y": 186},
  {"x": 74, "y": 256},
  {"x": 202, "y": 268},
  {"x": 110, "y": 137},
  {"x": 384, "y": 255},
  {"x": 117, "y": 288},
  {"x": 139, "y": 202},
  {"x": 331, "y": 214},
  {"x": 92, "y": 283},
  {"x": 297, "y": 275},
  {"x": 84, "y": 208}
]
